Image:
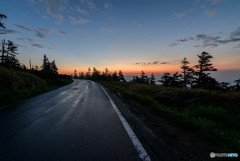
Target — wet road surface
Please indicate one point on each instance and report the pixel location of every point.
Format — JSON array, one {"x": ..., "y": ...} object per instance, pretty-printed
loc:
[{"x": 75, "y": 122}]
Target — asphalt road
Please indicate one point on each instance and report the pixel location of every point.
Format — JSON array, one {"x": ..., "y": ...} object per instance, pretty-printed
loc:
[{"x": 76, "y": 122}]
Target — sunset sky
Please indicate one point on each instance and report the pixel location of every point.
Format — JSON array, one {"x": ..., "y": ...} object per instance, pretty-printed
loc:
[{"x": 131, "y": 35}]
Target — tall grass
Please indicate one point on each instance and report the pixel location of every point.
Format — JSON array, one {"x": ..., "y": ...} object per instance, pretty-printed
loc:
[
  {"x": 213, "y": 115},
  {"x": 18, "y": 85}
]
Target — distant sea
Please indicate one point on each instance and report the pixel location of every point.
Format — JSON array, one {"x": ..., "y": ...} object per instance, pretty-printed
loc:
[{"x": 221, "y": 76}]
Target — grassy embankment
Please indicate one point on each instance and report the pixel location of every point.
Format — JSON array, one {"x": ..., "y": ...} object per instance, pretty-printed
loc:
[
  {"x": 213, "y": 115},
  {"x": 18, "y": 85}
]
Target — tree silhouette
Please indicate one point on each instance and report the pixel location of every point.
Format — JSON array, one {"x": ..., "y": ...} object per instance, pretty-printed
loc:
[
  {"x": 187, "y": 72},
  {"x": 152, "y": 79},
  {"x": 75, "y": 74},
  {"x": 81, "y": 75},
  {"x": 9, "y": 52},
  {"x": 3, "y": 51},
  {"x": 45, "y": 65},
  {"x": 115, "y": 76},
  {"x": 204, "y": 65},
  {"x": 237, "y": 86},
  {"x": 95, "y": 74},
  {"x": 121, "y": 76},
  {"x": 53, "y": 68},
  {"x": 2, "y": 17},
  {"x": 166, "y": 79},
  {"x": 143, "y": 78},
  {"x": 11, "y": 59}
]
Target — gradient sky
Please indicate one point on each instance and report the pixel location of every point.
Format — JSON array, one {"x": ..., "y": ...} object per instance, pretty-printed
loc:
[{"x": 131, "y": 35}]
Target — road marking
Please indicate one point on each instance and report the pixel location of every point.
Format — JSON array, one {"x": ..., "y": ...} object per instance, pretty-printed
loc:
[{"x": 137, "y": 144}]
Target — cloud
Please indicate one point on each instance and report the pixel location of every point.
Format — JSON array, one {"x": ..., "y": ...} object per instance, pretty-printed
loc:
[
  {"x": 54, "y": 7},
  {"x": 235, "y": 33},
  {"x": 210, "y": 12},
  {"x": 42, "y": 33},
  {"x": 107, "y": 5},
  {"x": 164, "y": 63},
  {"x": 63, "y": 32},
  {"x": 23, "y": 27},
  {"x": 19, "y": 45},
  {"x": 9, "y": 31},
  {"x": 82, "y": 11},
  {"x": 185, "y": 40},
  {"x": 228, "y": 40},
  {"x": 206, "y": 39},
  {"x": 37, "y": 45},
  {"x": 80, "y": 20},
  {"x": 173, "y": 44},
  {"x": 196, "y": 46},
  {"x": 89, "y": 3},
  {"x": 25, "y": 39},
  {"x": 179, "y": 15},
  {"x": 212, "y": 41},
  {"x": 152, "y": 63}
]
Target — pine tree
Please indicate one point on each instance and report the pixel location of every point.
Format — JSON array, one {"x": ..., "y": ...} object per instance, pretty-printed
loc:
[
  {"x": 152, "y": 79},
  {"x": 2, "y": 17},
  {"x": 115, "y": 76},
  {"x": 53, "y": 68},
  {"x": 45, "y": 65},
  {"x": 187, "y": 72},
  {"x": 121, "y": 76},
  {"x": 204, "y": 65},
  {"x": 143, "y": 78},
  {"x": 75, "y": 74},
  {"x": 166, "y": 80}
]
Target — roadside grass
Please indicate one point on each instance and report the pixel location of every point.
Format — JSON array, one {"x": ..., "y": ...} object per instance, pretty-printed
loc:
[
  {"x": 17, "y": 85},
  {"x": 213, "y": 115}
]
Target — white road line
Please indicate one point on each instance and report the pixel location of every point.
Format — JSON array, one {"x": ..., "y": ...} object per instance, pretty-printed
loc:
[{"x": 137, "y": 144}]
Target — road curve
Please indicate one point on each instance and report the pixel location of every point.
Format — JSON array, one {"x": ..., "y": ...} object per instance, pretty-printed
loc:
[{"x": 76, "y": 122}]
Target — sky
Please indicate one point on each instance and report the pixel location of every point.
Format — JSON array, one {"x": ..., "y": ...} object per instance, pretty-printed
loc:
[{"x": 127, "y": 35}]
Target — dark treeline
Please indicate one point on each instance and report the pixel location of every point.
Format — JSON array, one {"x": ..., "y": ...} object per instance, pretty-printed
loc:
[
  {"x": 197, "y": 76},
  {"x": 8, "y": 58},
  {"x": 96, "y": 75}
]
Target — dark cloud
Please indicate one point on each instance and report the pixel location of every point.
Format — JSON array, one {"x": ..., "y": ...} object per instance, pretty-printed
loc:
[
  {"x": 9, "y": 31},
  {"x": 38, "y": 45},
  {"x": 55, "y": 6},
  {"x": 19, "y": 45},
  {"x": 63, "y": 32},
  {"x": 235, "y": 33},
  {"x": 196, "y": 46},
  {"x": 185, "y": 40},
  {"x": 228, "y": 40},
  {"x": 151, "y": 63},
  {"x": 173, "y": 44},
  {"x": 42, "y": 33},
  {"x": 164, "y": 63},
  {"x": 23, "y": 27},
  {"x": 25, "y": 39}
]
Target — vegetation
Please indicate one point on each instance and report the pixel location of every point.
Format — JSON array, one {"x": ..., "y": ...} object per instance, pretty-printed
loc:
[
  {"x": 17, "y": 82},
  {"x": 210, "y": 114}
]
